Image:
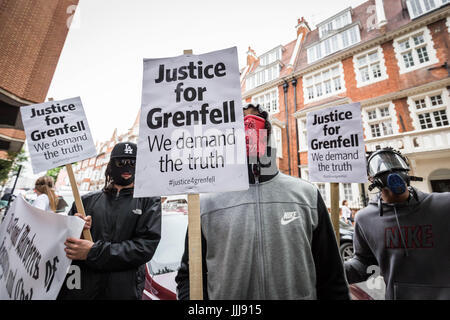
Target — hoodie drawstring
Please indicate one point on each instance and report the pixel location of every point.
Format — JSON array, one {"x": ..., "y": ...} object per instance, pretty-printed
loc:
[{"x": 400, "y": 230}]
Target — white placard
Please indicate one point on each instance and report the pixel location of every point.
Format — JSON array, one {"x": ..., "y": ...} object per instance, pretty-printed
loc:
[
  {"x": 57, "y": 133},
  {"x": 336, "y": 150},
  {"x": 33, "y": 264},
  {"x": 191, "y": 131}
]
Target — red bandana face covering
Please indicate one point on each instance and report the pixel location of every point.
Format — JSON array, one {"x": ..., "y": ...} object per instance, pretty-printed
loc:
[{"x": 255, "y": 135}]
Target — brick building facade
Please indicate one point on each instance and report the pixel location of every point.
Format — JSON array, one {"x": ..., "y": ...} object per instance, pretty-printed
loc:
[
  {"x": 32, "y": 35},
  {"x": 391, "y": 56}
]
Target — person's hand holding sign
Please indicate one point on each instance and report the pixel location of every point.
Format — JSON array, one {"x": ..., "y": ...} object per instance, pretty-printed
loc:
[
  {"x": 77, "y": 249},
  {"x": 87, "y": 219}
]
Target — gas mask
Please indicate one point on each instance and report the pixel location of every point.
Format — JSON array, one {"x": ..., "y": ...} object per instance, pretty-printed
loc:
[
  {"x": 120, "y": 166},
  {"x": 255, "y": 135},
  {"x": 388, "y": 168}
]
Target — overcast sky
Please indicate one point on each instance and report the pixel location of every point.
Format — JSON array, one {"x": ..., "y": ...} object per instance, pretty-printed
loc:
[{"x": 102, "y": 58}]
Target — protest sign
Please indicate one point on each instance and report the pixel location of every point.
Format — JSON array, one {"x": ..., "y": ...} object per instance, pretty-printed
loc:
[
  {"x": 336, "y": 145},
  {"x": 191, "y": 131},
  {"x": 33, "y": 264},
  {"x": 57, "y": 133}
]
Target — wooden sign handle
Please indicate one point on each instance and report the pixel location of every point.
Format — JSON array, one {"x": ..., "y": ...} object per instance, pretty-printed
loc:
[
  {"x": 195, "y": 248},
  {"x": 77, "y": 198},
  {"x": 335, "y": 208}
]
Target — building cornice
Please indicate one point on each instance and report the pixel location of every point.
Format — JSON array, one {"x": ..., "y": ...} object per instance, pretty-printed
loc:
[
  {"x": 275, "y": 121},
  {"x": 13, "y": 99},
  {"x": 260, "y": 89},
  {"x": 380, "y": 99},
  {"x": 407, "y": 92},
  {"x": 407, "y": 133},
  {"x": 302, "y": 112},
  {"x": 11, "y": 139}
]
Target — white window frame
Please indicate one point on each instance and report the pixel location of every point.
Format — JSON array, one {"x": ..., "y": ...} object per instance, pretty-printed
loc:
[
  {"x": 273, "y": 97},
  {"x": 428, "y": 43},
  {"x": 261, "y": 76},
  {"x": 314, "y": 84},
  {"x": 423, "y": 6},
  {"x": 325, "y": 192},
  {"x": 305, "y": 172},
  {"x": 324, "y": 29},
  {"x": 302, "y": 134},
  {"x": 345, "y": 194},
  {"x": 319, "y": 47},
  {"x": 271, "y": 56},
  {"x": 278, "y": 140},
  {"x": 367, "y": 122},
  {"x": 429, "y": 108},
  {"x": 382, "y": 63}
]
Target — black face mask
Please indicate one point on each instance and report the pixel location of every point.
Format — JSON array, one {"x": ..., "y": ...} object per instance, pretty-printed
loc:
[{"x": 118, "y": 167}]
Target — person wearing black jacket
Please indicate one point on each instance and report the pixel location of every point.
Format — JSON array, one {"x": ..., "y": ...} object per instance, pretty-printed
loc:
[
  {"x": 125, "y": 231},
  {"x": 273, "y": 241}
]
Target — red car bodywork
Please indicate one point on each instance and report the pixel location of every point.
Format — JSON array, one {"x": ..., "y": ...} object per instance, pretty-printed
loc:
[{"x": 162, "y": 287}]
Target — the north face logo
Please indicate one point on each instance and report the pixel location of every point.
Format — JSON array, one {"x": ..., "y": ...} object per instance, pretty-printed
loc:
[{"x": 128, "y": 149}]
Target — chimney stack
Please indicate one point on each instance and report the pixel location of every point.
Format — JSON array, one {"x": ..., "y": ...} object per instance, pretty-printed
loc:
[
  {"x": 251, "y": 56},
  {"x": 302, "y": 28}
]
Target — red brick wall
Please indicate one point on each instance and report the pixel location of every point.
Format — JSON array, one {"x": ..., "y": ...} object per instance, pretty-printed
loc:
[
  {"x": 395, "y": 82},
  {"x": 32, "y": 35},
  {"x": 284, "y": 162},
  {"x": 404, "y": 119}
]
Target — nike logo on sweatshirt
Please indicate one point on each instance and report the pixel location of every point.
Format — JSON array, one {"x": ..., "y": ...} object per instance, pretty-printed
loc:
[{"x": 288, "y": 217}]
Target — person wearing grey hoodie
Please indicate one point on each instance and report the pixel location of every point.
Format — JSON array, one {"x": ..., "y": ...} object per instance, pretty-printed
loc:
[
  {"x": 403, "y": 231},
  {"x": 273, "y": 241}
]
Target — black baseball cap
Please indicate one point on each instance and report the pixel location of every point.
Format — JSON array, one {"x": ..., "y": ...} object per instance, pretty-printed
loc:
[{"x": 124, "y": 150}]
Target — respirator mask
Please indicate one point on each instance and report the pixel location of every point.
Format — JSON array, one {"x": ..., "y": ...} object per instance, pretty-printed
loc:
[
  {"x": 388, "y": 168},
  {"x": 256, "y": 133}
]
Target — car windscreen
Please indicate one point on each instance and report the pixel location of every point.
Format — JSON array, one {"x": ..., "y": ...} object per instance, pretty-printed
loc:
[{"x": 170, "y": 249}]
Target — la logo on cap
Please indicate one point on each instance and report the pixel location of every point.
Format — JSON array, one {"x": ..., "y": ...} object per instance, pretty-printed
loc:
[{"x": 128, "y": 149}]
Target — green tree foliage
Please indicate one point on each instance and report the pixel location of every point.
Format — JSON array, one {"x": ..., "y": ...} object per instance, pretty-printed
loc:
[
  {"x": 54, "y": 172},
  {"x": 12, "y": 164}
]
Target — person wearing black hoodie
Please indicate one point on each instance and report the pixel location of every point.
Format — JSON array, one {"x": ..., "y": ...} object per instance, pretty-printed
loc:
[
  {"x": 404, "y": 232},
  {"x": 273, "y": 241},
  {"x": 125, "y": 232}
]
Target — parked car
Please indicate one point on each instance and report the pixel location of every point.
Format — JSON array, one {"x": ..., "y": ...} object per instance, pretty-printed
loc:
[
  {"x": 175, "y": 204},
  {"x": 162, "y": 269},
  {"x": 346, "y": 232}
]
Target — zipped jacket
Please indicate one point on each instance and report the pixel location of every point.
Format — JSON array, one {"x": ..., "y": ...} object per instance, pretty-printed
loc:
[
  {"x": 273, "y": 241},
  {"x": 126, "y": 232}
]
